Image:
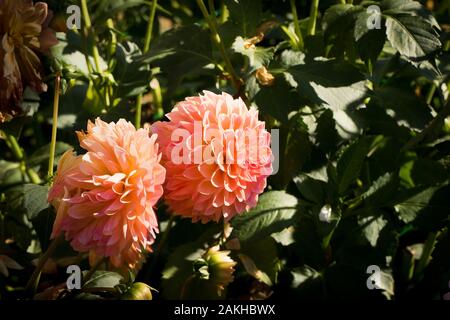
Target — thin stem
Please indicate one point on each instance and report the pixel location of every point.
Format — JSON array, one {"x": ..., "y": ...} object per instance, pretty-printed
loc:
[
  {"x": 51, "y": 159},
  {"x": 298, "y": 32},
  {"x": 113, "y": 43},
  {"x": 12, "y": 143},
  {"x": 34, "y": 280},
  {"x": 148, "y": 35},
  {"x": 212, "y": 23},
  {"x": 157, "y": 99},
  {"x": 147, "y": 40},
  {"x": 87, "y": 28},
  {"x": 431, "y": 93},
  {"x": 426, "y": 254},
  {"x": 313, "y": 17}
]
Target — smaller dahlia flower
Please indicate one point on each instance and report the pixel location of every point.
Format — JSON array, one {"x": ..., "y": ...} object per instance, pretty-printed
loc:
[
  {"x": 217, "y": 155},
  {"x": 23, "y": 34},
  {"x": 104, "y": 198},
  {"x": 220, "y": 267}
]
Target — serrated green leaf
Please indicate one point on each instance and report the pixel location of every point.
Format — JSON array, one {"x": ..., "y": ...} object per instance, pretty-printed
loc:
[
  {"x": 178, "y": 52},
  {"x": 372, "y": 227},
  {"x": 28, "y": 198},
  {"x": 274, "y": 212},
  {"x": 131, "y": 72},
  {"x": 381, "y": 191},
  {"x": 258, "y": 56},
  {"x": 412, "y": 204},
  {"x": 103, "y": 279},
  {"x": 412, "y": 36},
  {"x": 337, "y": 85}
]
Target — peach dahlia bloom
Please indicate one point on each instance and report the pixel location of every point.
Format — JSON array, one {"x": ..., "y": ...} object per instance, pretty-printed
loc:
[
  {"x": 226, "y": 157},
  {"x": 23, "y": 34},
  {"x": 104, "y": 198}
]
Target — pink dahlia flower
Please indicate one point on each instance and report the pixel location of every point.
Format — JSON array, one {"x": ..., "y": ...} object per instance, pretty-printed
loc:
[
  {"x": 217, "y": 156},
  {"x": 104, "y": 198}
]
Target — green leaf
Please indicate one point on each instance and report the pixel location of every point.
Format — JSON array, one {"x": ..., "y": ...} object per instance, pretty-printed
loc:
[
  {"x": 336, "y": 85},
  {"x": 40, "y": 156},
  {"x": 350, "y": 163},
  {"x": 327, "y": 136},
  {"x": 244, "y": 17},
  {"x": 178, "y": 52},
  {"x": 258, "y": 56},
  {"x": 381, "y": 191},
  {"x": 404, "y": 106},
  {"x": 372, "y": 227},
  {"x": 179, "y": 268},
  {"x": 339, "y": 19},
  {"x": 10, "y": 173},
  {"x": 265, "y": 256},
  {"x": 412, "y": 36},
  {"x": 43, "y": 225},
  {"x": 131, "y": 72},
  {"x": 28, "y": 198},
  {"x": 402, "y": 5},
  {"x": 297, "y": 148},
  {"x": 104, "y": 279},
  {"x": 414, "y": 202},
  {"x": 277, "y": 100},
  {"x": 310, "y": 188},
  {"x": 274, "y": 212},
  {"x": 419, "y": 172}
]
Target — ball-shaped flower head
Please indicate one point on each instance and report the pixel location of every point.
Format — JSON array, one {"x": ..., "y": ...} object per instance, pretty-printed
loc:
[
  {"x": 104, "y": 198},
  {"x": 217, "y": 156}
]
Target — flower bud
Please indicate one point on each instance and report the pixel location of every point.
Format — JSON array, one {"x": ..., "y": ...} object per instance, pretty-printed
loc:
[
  {"x": 264, "y": 77},
  {"x": 138, "y": 291},
  {"x": 220, "y": 267}
]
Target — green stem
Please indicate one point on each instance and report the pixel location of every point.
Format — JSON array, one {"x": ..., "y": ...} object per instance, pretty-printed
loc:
[
  {"x": 212, "y": 23},
  {"x": 51, "y": 159},
  {"x": 113, "y": 43},
  {"x": 147, "y": 40},
  {"x": 88, "y": 29},
  {"x": 298, "y": 32},
  {"x": 426, "y": 254},
  {"x": 157, "y": 100},
  {"x": 313, "y": 17},
  {"x": 431, "y": 93},
  {"x": 35, "y": 277},
  {"x": 19, "y": 155}
]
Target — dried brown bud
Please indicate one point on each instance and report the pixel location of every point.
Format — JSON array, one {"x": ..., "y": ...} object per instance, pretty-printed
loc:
[{"x": 264, "y": 77}]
